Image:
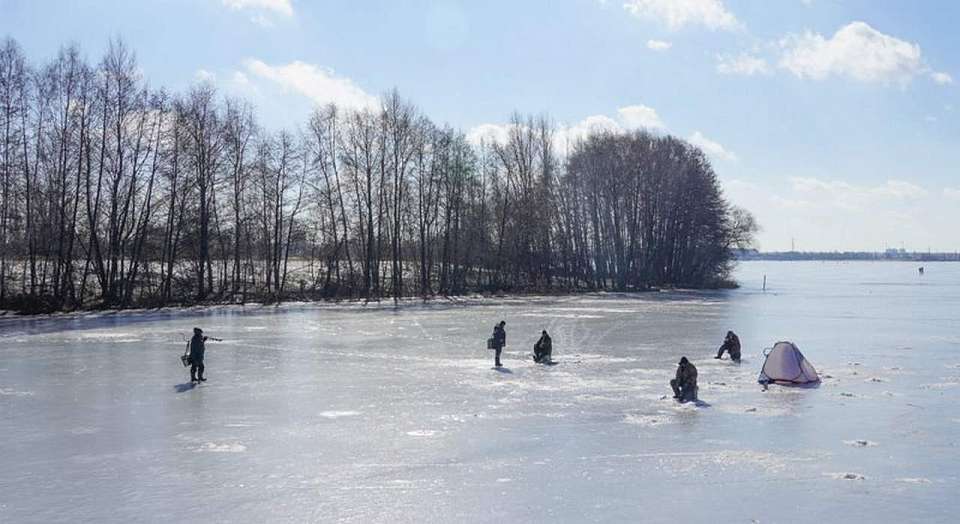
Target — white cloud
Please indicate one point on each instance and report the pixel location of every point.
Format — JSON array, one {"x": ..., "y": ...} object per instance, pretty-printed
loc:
[
  {"x": 815, "y": 185},
  {"x": 595, "y": 124},
  {"x": 742, "y": 64},
  {"x": 282, "y": 7},
  {"x": 900, "y": 189},
  {"x": 319, "y": 84},
  {"x": 855, "y": 51},
  {"x": 565, "y": 136},
  {"x": 849, "y": 196},
  {"x": 488, "y": 133},
  {"x": 951, "y": 193},
  {"x": 628, "y": 118},
  {"x": 640, "y": 116},
  {"x": 240, "y": 79},
  {"x": 941, "y": 78},
  {"x": 710, "y": 147},
  {"x": 676, "y": 14},
  {"x": 658, "y": 45},
  {"x": 202, "y": 75}
]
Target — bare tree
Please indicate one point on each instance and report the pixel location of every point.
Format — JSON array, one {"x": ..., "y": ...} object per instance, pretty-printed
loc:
[{"x": 114, "y": 195}]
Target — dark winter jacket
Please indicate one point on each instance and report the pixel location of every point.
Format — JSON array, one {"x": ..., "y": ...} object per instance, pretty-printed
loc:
[
  {"x": 544, "y": 346},
  {"x": 197, "y": 348},
  {"x": 499, "y": 337},
  {"x": 731, "y": 345},
  {"x": 686, "y": 376}
]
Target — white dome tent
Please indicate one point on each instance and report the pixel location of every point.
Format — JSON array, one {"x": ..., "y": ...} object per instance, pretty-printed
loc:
[{"x": 786, "y": 365}]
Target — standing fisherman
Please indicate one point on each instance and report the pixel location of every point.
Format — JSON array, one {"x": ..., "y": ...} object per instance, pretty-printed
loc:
[
  {"x": 499, "y": 340},
  {"x": 197, "y": 349}
]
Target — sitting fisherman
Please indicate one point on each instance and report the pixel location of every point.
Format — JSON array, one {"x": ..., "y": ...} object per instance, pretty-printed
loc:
[
  {"x": 731, "y": 344},
  {"x": 685, "y": 385},
  {"x": 543, "y": 348}
]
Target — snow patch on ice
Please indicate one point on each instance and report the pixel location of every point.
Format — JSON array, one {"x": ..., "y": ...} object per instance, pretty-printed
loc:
[
  {"x": 767, "y": 461},
  {"x": 760, "y": 411},
  {"x": 592, "y": 397},
  {"x": 595, "y": 310},
  {"x": 914, "y": 480},
  {"x": 645, "y": 371},
  {"x": 9, "y": 392},
  {"x": 941, "y": 385},
  {"x": 102, "y": 334},
  {"x": 423, "y": 433},
  {"x": 847, "y": 476},
  {"x": 338, "y": 414},
  {"x": 226, "y": 447},
  {"x": 605, "y": 359},
  {"x": 647, "y": 420},
  {"x": 573, "y": 316},
  {"x": 860, "y": 443}
]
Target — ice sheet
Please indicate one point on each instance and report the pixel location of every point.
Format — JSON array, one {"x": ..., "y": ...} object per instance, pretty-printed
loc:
[{"x": 381, "y": 414}]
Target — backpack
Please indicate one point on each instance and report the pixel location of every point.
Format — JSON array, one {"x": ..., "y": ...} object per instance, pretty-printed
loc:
[{"x": 185, "y": 357}]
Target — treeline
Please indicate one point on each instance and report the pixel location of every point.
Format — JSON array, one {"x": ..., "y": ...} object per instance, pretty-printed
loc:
[{"x": 116, "y": 194}]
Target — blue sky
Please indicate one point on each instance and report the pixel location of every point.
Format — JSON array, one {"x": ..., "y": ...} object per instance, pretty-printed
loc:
[{"x": 835, "y": 122}]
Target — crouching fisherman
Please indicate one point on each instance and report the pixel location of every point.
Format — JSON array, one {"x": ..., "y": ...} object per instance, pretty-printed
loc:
[
  {"x": 731, "y": 344},
  {"x": 543, "y": 349},
  {"x": 197, "y": 349},
  {"x": 685, "y": 385}
]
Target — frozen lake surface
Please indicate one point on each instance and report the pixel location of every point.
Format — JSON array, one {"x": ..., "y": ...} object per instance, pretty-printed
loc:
[{"x": 383, "y": 414}]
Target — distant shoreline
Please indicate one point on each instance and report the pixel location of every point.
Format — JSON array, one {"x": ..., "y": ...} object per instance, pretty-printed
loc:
[{"x": 890, "y": 256}]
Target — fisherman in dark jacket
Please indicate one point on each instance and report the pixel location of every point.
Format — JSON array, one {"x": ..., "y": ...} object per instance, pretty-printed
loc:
[
  {"x": 731, "y": 344},
  {"x": 499, "y": 340},
  {"x": 197, "y": 349},
  {"x": 685, "y": 384},
  {"x": 543, "y": 348}
]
